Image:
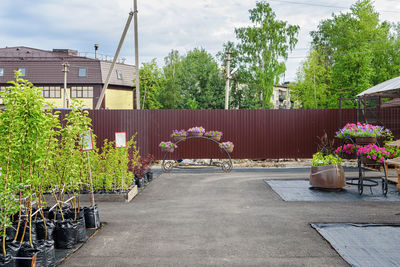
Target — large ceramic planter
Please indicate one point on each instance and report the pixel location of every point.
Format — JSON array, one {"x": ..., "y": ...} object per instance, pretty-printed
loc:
[
  {"x": 365, "y": 140},
  {"x": 327, "y": 177}
]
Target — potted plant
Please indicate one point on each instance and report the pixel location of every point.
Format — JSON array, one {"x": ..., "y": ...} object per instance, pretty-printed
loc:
[
  {"x": 372, "y": 154},
  {"x": 196, "y": 131},
  {"x": 326, "y": 169},
  {"x": 167, "y": 146},
  {"x": 215, "y": 135},
  {"x": 363, "y": 133},
  {"x": 227, "y": 146},
  {"x": 179, "y": 135}
]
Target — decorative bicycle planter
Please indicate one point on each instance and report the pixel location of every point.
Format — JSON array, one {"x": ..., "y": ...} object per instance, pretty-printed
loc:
[
  {"x": 226, "y": 165},
  {"x": 366, "y": 165}
]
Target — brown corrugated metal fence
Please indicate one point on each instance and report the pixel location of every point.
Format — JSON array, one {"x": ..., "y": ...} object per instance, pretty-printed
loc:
[{"x": 257, "y": 134}]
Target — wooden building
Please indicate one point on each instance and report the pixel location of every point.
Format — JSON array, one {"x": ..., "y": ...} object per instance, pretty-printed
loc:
[{"x": 85, "y": 78}]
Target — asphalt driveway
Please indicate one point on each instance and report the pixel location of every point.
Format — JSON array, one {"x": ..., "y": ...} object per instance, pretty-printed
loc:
[{"x": 206, "y": 217}]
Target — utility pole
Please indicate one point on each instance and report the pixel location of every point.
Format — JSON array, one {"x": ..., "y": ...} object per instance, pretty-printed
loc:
[
  {"x": 121, "y": 41},
  {"x": 135, "y": 12},
  {"x": 228, "y": 77},
  {"x": 65, "y": 70}
]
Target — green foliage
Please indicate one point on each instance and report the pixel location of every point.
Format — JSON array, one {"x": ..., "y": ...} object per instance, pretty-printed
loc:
[
  {"x": 27, "y": 134},
  {"x": 319, "y": 159},
  {"x": 112, "y": 171},
  {"x": 364, "y": 54},
  {"x": 152, "y": 82},
  {"x": 261, "y": 47}
]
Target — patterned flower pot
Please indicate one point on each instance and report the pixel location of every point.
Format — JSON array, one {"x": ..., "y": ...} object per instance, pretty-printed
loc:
[{"x": 229, "y": 150}]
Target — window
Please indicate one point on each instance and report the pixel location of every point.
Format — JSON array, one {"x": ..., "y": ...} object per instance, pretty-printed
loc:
[
  {"x": 23, "y": 71},
  {"x": 51, "y": 92},
  {"x": 1, "y": 72},
  {"x": 82, "y": 91},
  {"x": 119, "y": 74},
  {"x": 82, "y": 72}
]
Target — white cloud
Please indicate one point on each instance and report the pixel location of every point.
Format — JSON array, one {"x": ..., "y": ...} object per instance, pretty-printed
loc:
[{"x": 163, "y": 25}]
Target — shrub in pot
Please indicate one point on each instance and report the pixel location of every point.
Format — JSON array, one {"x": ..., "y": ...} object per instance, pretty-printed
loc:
[
  {"x": 215, "y": 135},
  {"x": 167, "y": 146},
  {"x": 326, "y": 170},
  {"x": 196, "y": 131},
  {"x": 179, "y": 135},
  {"x": 228, "y": 146}
]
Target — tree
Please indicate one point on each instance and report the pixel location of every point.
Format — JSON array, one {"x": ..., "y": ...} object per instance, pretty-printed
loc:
[
  {"x": 152, "y": 82},
  {"x": 261, "y": 48},
  {"x": 200, "y": 82},
  {"x": 363, "y": 54},
  {"x": 170, "y": 96}
]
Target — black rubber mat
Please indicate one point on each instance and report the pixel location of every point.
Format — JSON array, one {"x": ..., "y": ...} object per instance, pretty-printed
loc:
[
  {"x": 364, "y": 244},
  {"x": 299, "y": 190}
]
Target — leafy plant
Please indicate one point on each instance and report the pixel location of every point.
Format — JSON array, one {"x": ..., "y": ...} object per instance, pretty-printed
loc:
[
  {"x": 179, "y": 133},
  {"x": 374, "y": 152},
  {"x": 196, "y": 129},
  {"x": 363, "y": 130},
  {"x": 144, "y": 166},
  {"x": 319, "y": 159},
  {"x": 213, "y": 134},
  {"x": 226, "y": 145},
  {"x": 166, "y": 145}
]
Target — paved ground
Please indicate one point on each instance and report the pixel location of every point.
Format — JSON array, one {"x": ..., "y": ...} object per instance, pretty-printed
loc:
[{"x": 197, "y": 218}]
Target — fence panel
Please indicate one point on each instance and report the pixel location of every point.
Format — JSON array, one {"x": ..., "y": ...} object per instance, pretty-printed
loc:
[{"x": 257, "y": 134}]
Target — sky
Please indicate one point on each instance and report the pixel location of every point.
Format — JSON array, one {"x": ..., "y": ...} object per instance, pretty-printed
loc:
[{"x": 163, "y": 24}]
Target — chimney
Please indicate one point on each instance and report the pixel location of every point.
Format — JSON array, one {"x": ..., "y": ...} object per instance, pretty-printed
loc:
[{"x": 96, "y": 48}]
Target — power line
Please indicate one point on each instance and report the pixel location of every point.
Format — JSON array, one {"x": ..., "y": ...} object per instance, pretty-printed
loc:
[{"x": 324, "y": 5}]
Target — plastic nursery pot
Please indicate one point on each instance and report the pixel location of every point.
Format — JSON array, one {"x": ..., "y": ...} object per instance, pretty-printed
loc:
[
  {"x": 81, "y": 228},
  {"x": 41, "y": 231},
  {"x": 145, "y": 180},
  {"x": 55, "y": 214},
  {"x": 27, "y": 230},
  {"x": 149, "y": 176},
  {"x": 50, "y": 253},
  {"x": 7, "y": 261},
  {"x": 140, "y": 182},
  {"x": 66, "y": 234},
  {"x": 29, "y": 254},
  {"x": 92, "y": 217},
  {"x": 12, "y": 248}
]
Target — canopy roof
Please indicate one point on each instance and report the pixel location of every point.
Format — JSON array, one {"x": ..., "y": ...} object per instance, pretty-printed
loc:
[{"x": 386, "y": 86}]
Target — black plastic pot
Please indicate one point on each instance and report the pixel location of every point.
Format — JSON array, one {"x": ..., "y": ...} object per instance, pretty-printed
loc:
[
  {"x": 55, "y": 214},
  {"x": 66, "y": 234},
  {"x": 26, "y": 236},
  {"x": 7, "y": 261},
  {"x": 92, "y": 217},
  {"x": 81, "y": 228},
  {"x": 40, "y": 229},
  {"x": 50, "y": 253},
  {"x": 12, "y": 248},
  {"x": 140, "y": 182},
  {"x": 149, "y": 176},
  {"x": 27, "y": 252}
]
